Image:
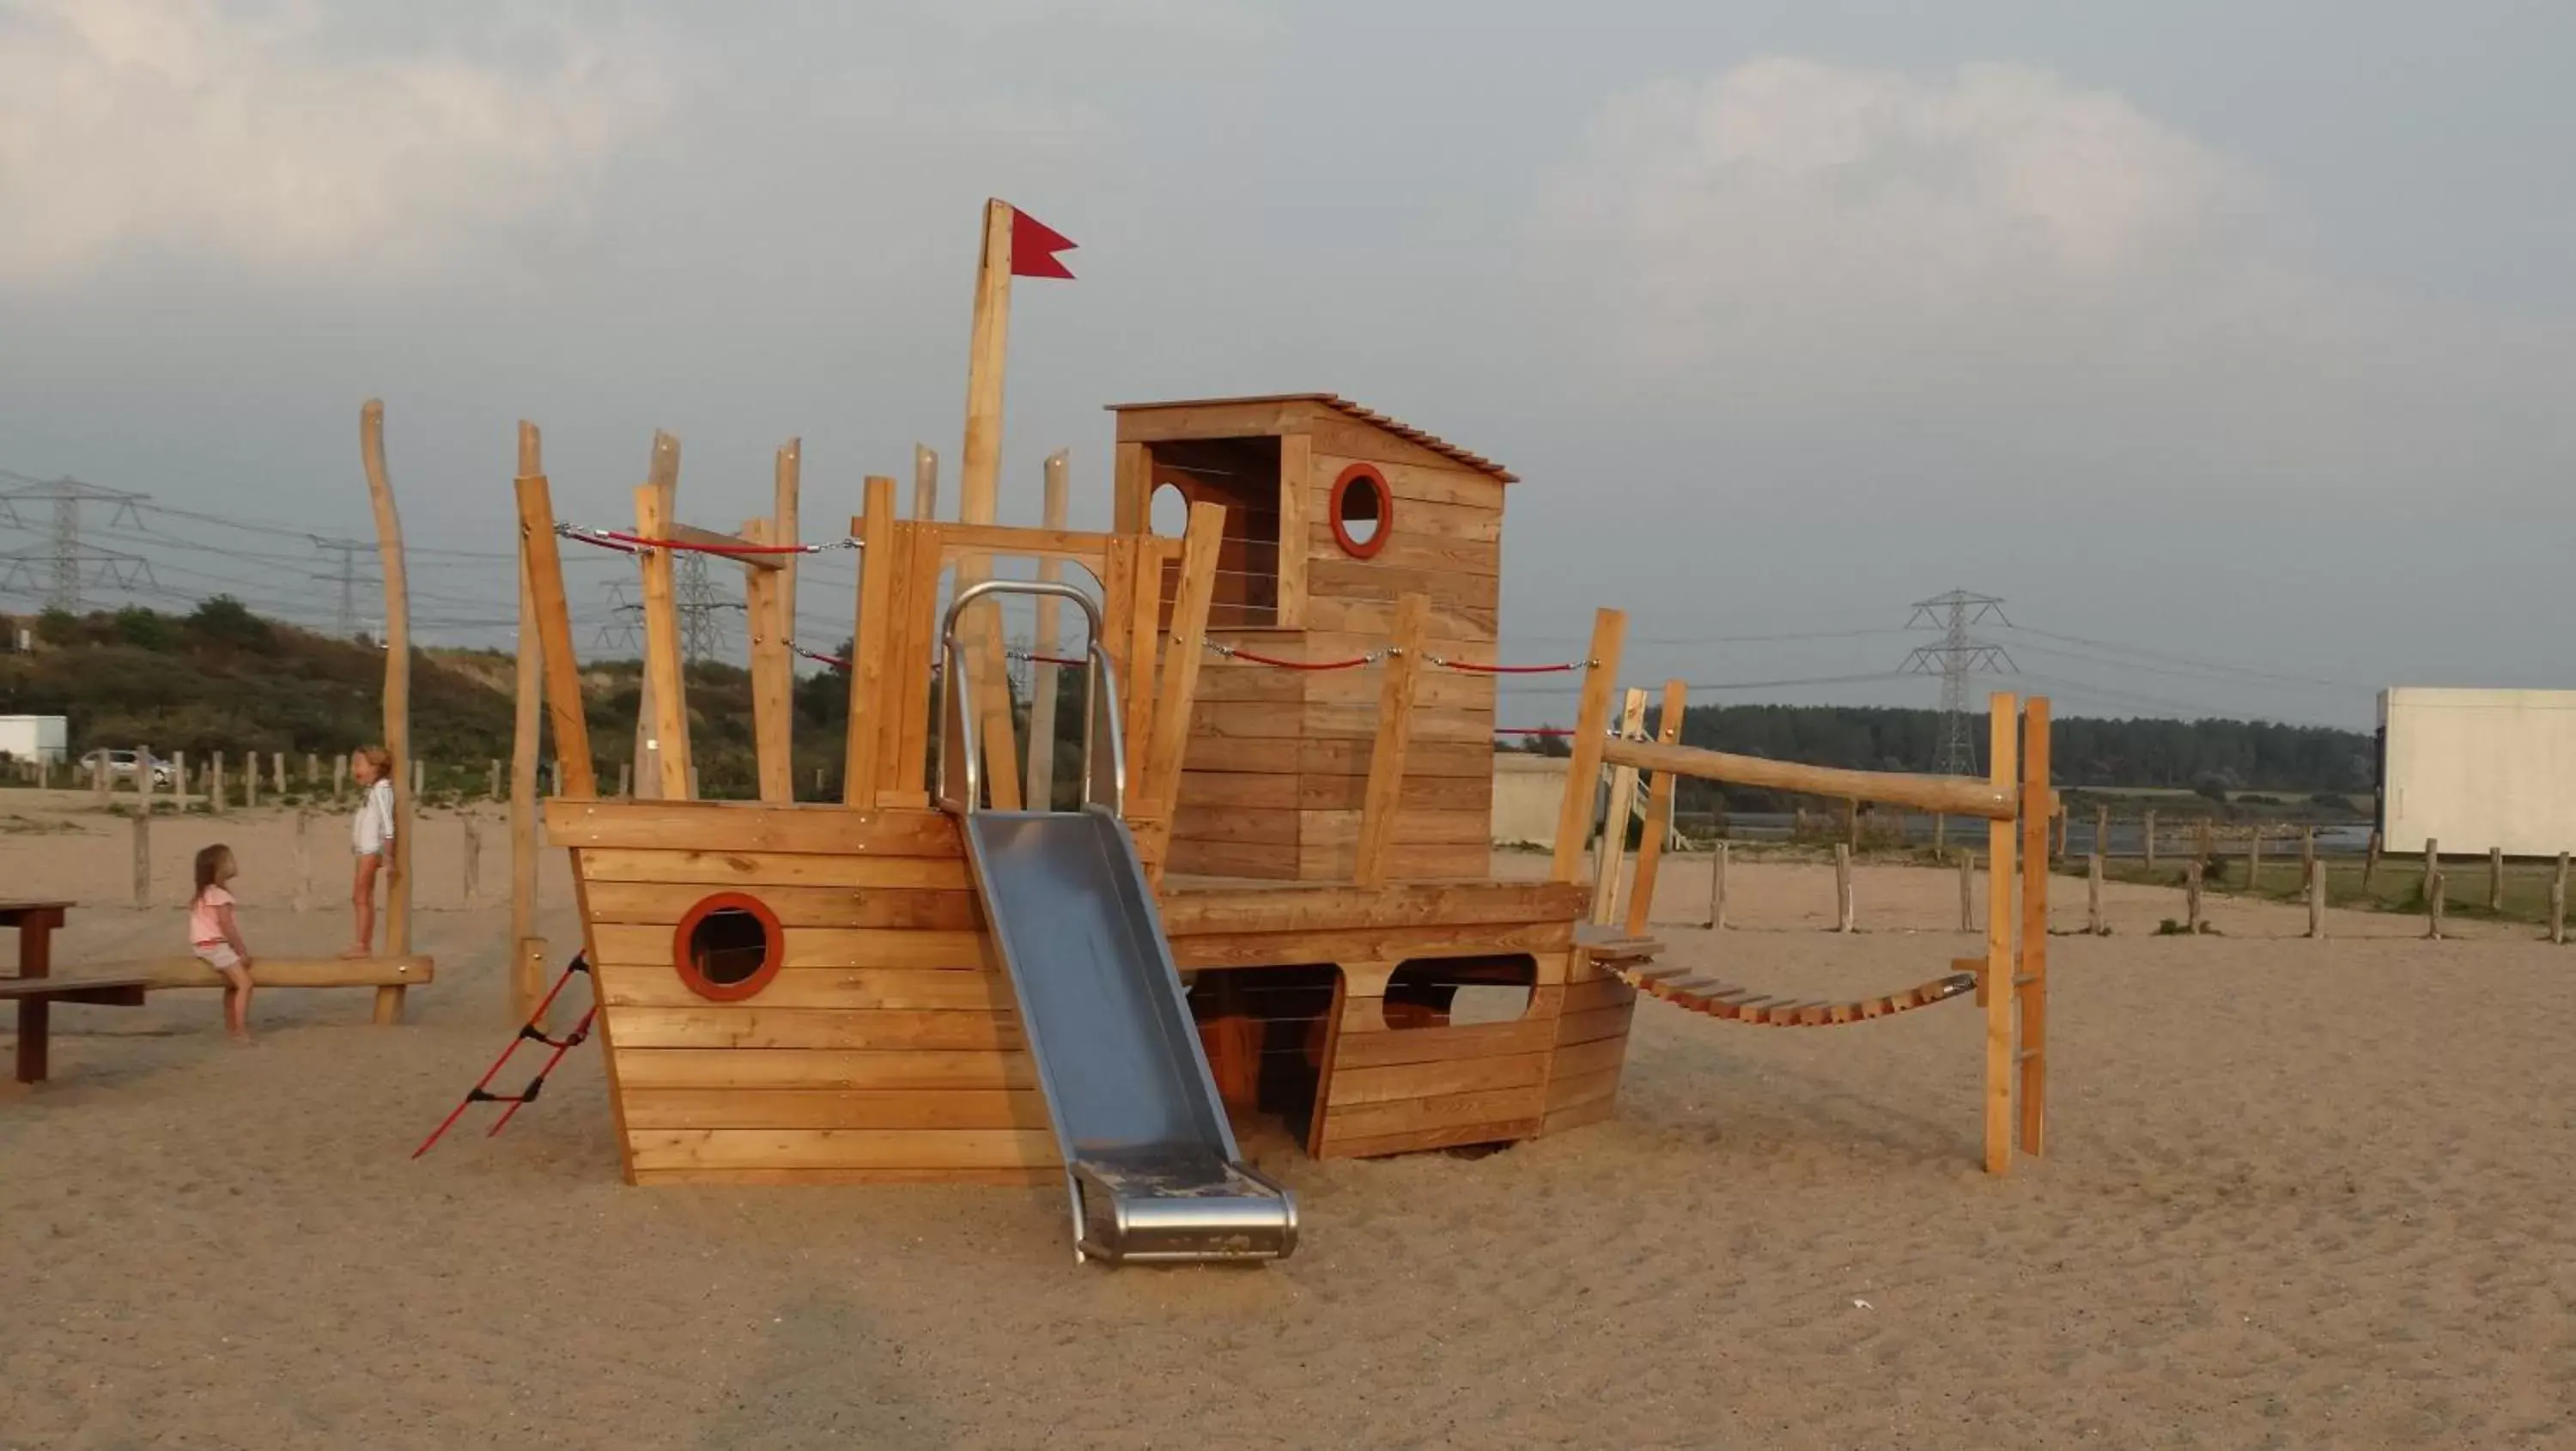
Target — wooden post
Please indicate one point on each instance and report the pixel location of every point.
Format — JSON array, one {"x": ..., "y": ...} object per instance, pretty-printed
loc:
[
  {"x": 863, "y": 745},
  {"x": 1614, "y": 827},
  {"x": 773, "y": 675},
  {"x": 2433, "y": 904},
  {"x": 1591, "y": 723},
  {"x": 1383, "y": 799},
  {"x": 2495, "y": 879},
  {"x": 527, "y": 724},
  {"x": 278, "y": 760},
  {"x": 99, "y": 779},
  {"x": 2093, "y": 892},
  {"x": 1044, "y": 679},
  {"x": 473, "y": 847},
  {"x": 2307, "y": 845},
  {"x": 2314, "y": 878},
  {"x": 143, "y": 779},
  {"x": 492, "y": 779},
  {"x": 2102, "y": 831},
  {"x": 303, "y": 858},
  {"x": 312, "y": 772},
  {"x": 1940, "y": 834},
  {"x": 250, "y": 781},
  {"x": 2254, "y": 864},
  {"x": 2150, "y": 839},
  {"x": 1717, "y": 890},
  {"x": 2205, "y": 843},
  {"x": 662, "y": 475},
  {"x": 2030, "y": 979},
  {"x": 668, "y": 745},
  {"x": 143, "y": 859},
  {"x": 178, "y": 780},
  {"x": 215, "y": 783},
  {"x": 1659, "y": 812},
  {"x": 1159, "y": 763},
  {"x": 787, "y": 476},
  {"x": 2432, "y": 864},
  {"x": 419, "y": 777},
  {"x": 1967, "y": 890},
  {"x": 2191, "y": 894},
  {"x": 2558, "y": 902},
  {"x": 1995, "y": 991},
  {"x": 1842, "y": 887},
  {"x": 979, "y": 482},
  {"x": 925, "y": 483},
  {"x": 397, "y": 701},
  {"x": 1851, "y": 824},
  {"x": 546, "y": 629},
  {"x": 2369, "y": 862}
]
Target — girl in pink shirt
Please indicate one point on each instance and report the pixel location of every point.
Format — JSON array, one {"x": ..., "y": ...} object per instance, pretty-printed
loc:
[{"x": 216, "y": 938}]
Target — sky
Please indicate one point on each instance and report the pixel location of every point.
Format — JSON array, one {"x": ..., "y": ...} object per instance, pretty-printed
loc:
[{"x": 2231, "y": 346}]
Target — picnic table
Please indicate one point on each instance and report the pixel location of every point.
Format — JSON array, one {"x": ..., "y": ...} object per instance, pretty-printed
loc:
[{"x": 36, "y": 993}]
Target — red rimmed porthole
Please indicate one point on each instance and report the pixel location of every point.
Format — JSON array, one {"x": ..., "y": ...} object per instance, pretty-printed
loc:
[
  {"x": 728, "y": 947},
  {"x": 1363, "y": 510}
]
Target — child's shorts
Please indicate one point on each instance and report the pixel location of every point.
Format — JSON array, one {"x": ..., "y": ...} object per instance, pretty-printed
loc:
[{"x": 218, "y": 955}]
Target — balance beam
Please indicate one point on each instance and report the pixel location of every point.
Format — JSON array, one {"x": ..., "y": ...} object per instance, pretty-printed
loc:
[
  {"x": 1952, "y": 795},
  {"x": 161, "y": 974}
]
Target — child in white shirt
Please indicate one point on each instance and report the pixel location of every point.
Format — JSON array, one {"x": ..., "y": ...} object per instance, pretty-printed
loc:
[{"x": 371, "y": 838}]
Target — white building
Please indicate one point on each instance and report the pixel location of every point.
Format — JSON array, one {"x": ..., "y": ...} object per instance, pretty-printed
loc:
[
  {"x": 2478, "y": 769},
  {"x": 33, "y": 737}
]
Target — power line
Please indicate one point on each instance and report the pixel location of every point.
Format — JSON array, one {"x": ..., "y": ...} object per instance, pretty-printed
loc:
[{"x": 66, "y": 553}]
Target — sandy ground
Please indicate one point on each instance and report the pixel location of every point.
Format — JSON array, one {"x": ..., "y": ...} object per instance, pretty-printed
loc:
[{"x": 2299, "y": 1194}]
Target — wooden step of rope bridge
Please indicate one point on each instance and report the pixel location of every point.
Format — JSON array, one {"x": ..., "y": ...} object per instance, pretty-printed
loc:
[{"x": 1680, "y": 987}]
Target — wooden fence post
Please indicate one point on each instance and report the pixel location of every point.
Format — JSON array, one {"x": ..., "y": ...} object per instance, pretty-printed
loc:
[
  {"x": 178, "y": 780},
  {"x": 2191, "y": 894},
  {"x": 143, "y": 779},
  {"x": 250, "y": 782},
  {"x": 143, "y": 859},
  {"x": 2316, "y": 886},
  {"x": 303, "y": 858},
  {"x": 1967, "y": 890},
  {"x": 2432, "y": 864},
  {"x": 1842, "y": 887},
  {"x": 492, "y": 780},
  {"x": 2254, "y": 864},
  {"x": 278, "y": 760},
  {"x": 1717, "y": 890},
  {"x": 2558, "y": 902},
  {"x": 2093, "y": 892},
  {"x": 99, "y": 779},
  {"x": 215, "y": 784},
  {"x": 1940, "y": 834},
  {"x": 473, "y": 856},
  {"x": 2101, "y": 831},
  {"x": 2495, "y": 879},
  {"x": 2369, "y": 862},
  {"x": 419, "y": 776},
  {"x": 2151, "y": 843},
  {"x": 340, "y": 779},
  {"x": 2433, "y": 894}
]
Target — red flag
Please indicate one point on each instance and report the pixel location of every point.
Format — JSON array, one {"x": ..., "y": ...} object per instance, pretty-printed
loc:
[{"x": 1033, "y": 247}]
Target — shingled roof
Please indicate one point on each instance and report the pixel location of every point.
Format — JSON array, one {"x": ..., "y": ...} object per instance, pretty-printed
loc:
[{"x": 1344, "y": 406}]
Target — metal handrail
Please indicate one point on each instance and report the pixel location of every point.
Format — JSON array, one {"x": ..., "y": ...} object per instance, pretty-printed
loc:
[{"x": 959, "y": 748}]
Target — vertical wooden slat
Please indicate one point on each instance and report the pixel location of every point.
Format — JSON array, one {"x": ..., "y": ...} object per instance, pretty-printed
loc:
[
  {"x": 1659, "y": 812},
  {"x": 562, "y": 670},
  {"x": 1184, "y": 651},
  {"x": 772, "y": 680},
  {"x": 1131, "y": 484},
  {"x": 925, "y": 483},
  {"x": 2003, "y": 724},
  {"x": 1717, "y": 889},
  {"x": 662, "y": 684},
  {"x": 919, "y": 619},
  {"x": 2031, "y": 980},
  {"x": 661, "y": 473},
  {"x": 1614, "y": 825},
  {"x": 1296, "y": 513},
  {"x": 527, "y": 724},
  {"x": 1144, "y": 647},
  {"x": 1591, "y": 724},
  {"x": 881, "y": 566},
  {"x": 397, "y": 701},
  {"x": 1045, "y": 681},
  {"x": 1381, "y": 804}
]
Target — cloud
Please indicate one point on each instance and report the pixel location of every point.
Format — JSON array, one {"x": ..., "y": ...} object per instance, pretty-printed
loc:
[
  {"x": 1792, "y": 207},
  {"x": 2020, "y": 263},
  {"x": 241, "y": 131}
]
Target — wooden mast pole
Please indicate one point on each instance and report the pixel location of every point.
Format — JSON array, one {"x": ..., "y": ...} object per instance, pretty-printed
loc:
[
  {"x": 527, "y": 949},
  {"x": 663, "y": 473},
  {"x": 979, "y": 483},
  {"x": 773, "y": 667},
  {"x": 397, "y": 702}
]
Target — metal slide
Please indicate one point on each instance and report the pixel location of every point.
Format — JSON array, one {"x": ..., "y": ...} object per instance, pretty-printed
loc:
[{"x": 1150, "y": 1161}]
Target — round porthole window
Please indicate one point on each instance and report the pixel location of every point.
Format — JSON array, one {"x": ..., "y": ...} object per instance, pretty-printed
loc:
[
  {"x": 728, "y": 947},
  {"x": 1363, "y": 510},
  {"x": 1168, "y": 514}
]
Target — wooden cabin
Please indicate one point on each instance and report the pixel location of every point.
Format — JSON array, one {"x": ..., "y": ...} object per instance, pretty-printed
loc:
[{"x": 1334, "y": 512}]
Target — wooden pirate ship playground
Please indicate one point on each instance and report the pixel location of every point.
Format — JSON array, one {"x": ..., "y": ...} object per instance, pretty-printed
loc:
[{"x": 1257, "y": 887}]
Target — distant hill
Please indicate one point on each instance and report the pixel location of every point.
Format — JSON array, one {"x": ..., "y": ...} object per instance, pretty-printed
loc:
[{"x": 225, "y": 679}]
